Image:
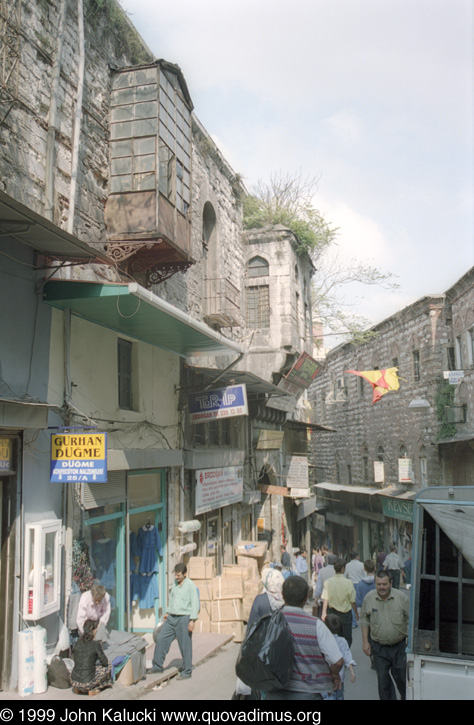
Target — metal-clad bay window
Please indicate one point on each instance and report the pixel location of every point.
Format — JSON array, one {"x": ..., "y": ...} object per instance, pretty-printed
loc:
[{"x": 258, "y": 306}]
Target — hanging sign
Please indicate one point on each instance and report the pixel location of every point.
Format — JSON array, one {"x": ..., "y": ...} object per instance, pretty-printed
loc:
[
  {"x": 379, "y": 472},
  {"x": 223, "y": 403},
  {"x": 454, "y": 377},
  {"x": 303, "y": 371},
  {"x": 5, "y": 455},
  {"x": 297, "y": 474},
  {"x": 218, "y": 487},
  {"x": 79, "y": 457},
  {"x": 405, "y": 470}
]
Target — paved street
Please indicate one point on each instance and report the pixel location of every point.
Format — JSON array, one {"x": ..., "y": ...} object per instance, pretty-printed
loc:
[{"x": 215, "y": 678}]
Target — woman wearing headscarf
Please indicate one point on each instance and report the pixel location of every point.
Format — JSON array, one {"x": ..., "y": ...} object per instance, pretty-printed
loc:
[
  {"x": 269, "y": 601},
  {"x": 271, "y": 598}
]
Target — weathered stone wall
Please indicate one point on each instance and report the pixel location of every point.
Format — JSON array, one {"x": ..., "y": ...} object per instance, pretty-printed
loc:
[
  {"x": 23, "y": 136},
  {"x": 222, "y": 257},
  {"x": 344, "y": 401}
]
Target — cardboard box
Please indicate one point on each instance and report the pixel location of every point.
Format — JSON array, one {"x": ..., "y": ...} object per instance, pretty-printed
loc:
[
  {"x": 253, "y": 549},
  {"x": 247, "y": 603},
  {"x": 201, "y": 567},
  {"x": 205, "y": 589},
  {"x": 245, "y": 572},
  {"x": 227, "y": 587},
  {"x": 237, "y": 629},
  {"x": 201, "y": 626},
  {"x": 252, "y": 587},
  {"x": 247, "y": 561},
  {"x": 205, "y": 613},
  {"x": 134, "y": 670},
  {"x": 227, "y": 610}
]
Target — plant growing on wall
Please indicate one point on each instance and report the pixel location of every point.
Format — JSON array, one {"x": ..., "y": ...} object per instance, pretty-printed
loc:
[
  {"x": 289, "y": 201},
  {"x": 444, "y": 400},
  {"x": 109, "y": 15}
]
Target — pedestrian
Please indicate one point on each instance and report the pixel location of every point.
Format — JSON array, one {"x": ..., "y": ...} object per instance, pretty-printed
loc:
[
  {"x": 317, "y": 658},
  {"x": 86, "y": 675},
  {"x": 339, "y": 598},
  {"x": 285, "y": 557},
  {"x": 334, "y": 624},
  {"x": 183, "y": 610},
  {"x": 384, "y": 622},
  {"x": 301, "y": 564},
  {"x": 317, "y": 561},
  {"x": 395, "y": 566},
  {"x": 271, "y": 599},
  {"x": 94, "y": 605},
  {"x": 367, "y": 584},
  {"x": 381, "y": 556},
  {"x": 324, "y": 574},
  {"x": 355, "y": 572}
]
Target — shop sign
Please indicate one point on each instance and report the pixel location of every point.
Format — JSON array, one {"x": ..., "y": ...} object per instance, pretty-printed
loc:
[
  {"x": 79, "y": 457},
  {"x": 270, "y": 440},
  {"x": 319, "y": 522},
  {"x": 454, "y": 377},
  {"x": 405, "y": 470},
  {"x": 274, "y": 490},
  {"x": 222, "y": 403},
  {"x": 297, "y": 473},
  {"x": 303, "y": 371},
  {"x": 397, "y": 508},
  {"x": 5, "y": 456},
  {"x": 218, "y": 487},
  {"x": 379, "y": 472}
]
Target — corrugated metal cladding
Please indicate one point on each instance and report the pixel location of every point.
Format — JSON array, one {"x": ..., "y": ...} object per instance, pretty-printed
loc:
[{"x": 100, "y": 494}]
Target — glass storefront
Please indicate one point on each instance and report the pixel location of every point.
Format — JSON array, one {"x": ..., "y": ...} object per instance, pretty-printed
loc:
[{"x": 127, "y": 545}]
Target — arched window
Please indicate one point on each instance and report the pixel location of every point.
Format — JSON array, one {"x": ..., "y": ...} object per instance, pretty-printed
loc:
[
  {"x": 257, "y": 267},
  {"x": 208, "y": 222}
]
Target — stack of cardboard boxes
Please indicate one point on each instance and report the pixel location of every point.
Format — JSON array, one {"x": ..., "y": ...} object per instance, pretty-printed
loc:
[{"x": 226, "y": 600}]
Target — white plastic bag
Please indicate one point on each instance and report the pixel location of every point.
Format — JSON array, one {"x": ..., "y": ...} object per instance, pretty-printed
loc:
[{"x": 63, "y": 640}]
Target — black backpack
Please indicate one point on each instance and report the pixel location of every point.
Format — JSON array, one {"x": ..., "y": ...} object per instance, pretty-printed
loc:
[{"x": 266, "y": 657}]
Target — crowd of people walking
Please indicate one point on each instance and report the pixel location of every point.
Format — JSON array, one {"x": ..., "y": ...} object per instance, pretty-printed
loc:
[{"x": 346, "y": 593}]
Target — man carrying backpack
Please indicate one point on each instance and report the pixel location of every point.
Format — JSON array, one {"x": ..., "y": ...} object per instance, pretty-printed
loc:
[{"x": 317, "y": 658}]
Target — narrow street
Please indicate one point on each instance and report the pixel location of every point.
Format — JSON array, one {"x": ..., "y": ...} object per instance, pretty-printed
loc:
[{"x": 215, "y": 679}]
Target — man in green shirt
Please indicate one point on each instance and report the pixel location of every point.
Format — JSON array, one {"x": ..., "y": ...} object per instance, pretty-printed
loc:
[
  {"x": 384, "y": 622},
  {"x": 183, "y": 610}
]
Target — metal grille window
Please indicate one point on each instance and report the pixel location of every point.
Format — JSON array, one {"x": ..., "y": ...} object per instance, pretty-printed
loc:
[
  {"x": 416, "y": 366},
  {"x": 258, "y": 306},
  {"x": 124, "y": 359}
]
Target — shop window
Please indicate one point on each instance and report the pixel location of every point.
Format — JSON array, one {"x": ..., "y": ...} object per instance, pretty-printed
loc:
[
  {"x": 42, "y": 569},
  {"x": 216, "y": 433}
]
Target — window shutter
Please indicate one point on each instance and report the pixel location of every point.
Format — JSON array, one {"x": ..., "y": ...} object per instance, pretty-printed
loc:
[{"x": 100, "y": 494}]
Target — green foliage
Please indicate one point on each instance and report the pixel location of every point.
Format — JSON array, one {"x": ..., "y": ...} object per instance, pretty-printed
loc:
[
  {"x": 109, "y": 15},
  {"x": 289, "y": 201},
  {"x": 444, "y": 399}
]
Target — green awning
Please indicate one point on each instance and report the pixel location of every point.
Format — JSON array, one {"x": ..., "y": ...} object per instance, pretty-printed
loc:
[{"x": 131, "y": 310}]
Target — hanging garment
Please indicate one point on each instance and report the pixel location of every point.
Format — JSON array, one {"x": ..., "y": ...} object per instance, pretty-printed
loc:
[
  {"x": 150, "y": 549},
  {"x": 148, "y": 591},
  {"x": 103, "y": 552},
  {"x": 134, "y": 548}
]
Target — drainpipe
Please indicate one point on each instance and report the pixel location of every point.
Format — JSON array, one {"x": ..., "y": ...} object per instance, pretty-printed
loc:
[
  {"x": 77, "y": 120},
  {"x": 52, "y": 118}
]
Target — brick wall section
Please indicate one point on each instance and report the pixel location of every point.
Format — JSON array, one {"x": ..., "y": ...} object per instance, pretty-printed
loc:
[{"x": 344, "y": 401}]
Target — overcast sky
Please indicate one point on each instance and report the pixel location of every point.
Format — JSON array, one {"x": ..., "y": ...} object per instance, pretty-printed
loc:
[{"x": 374, "y": 97}]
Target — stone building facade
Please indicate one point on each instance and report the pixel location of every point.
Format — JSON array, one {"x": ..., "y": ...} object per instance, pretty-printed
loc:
[
  {"x": 382, "y": 453},
  {"x": 125, "y": 288}
]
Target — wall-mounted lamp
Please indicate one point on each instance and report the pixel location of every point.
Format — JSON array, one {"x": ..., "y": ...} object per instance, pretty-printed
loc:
[{"x": 419, "y": 405}]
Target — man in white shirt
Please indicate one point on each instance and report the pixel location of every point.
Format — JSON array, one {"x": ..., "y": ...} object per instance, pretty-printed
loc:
[{"x": 95, "y": 605}]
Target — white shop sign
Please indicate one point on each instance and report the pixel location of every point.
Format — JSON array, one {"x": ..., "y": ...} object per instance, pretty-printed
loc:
[{"x": 218, "y": 487}]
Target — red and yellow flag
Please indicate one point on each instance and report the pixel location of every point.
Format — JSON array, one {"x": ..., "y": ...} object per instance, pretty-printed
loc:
[{"x": 381, "y": 380}]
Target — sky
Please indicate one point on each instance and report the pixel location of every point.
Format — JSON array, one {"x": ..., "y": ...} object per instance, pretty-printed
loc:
[{"x": 372, "y": 97}]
